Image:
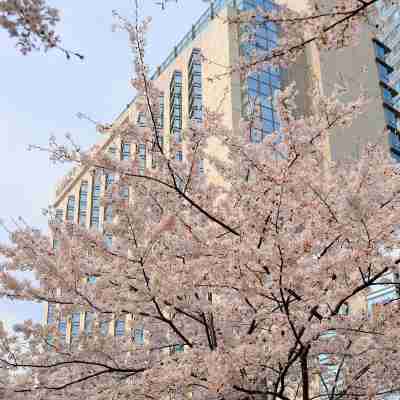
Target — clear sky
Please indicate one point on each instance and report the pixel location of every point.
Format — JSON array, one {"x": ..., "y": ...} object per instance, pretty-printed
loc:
[{"x": 40, "y": 95}]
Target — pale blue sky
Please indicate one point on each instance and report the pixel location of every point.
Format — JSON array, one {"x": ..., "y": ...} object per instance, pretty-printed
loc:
[{"x": 40, "y": 95}]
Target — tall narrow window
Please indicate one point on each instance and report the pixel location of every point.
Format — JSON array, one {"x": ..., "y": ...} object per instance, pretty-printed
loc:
[
  {"x": 125, "y": 151},
  {"x": 175, "y": 112},
  {"x": 89, "y": 318},
  {"x": 112, "y": 151},
  {"x": 259, "y": 87},
  {"x": 138, "y": 336},
  {"x": 83, "y": 195},
  {"x": 141, "y": 119},
  {"x": 125, "y": 192},
  {"x": 108, "y": 240},
  {"x": 200, "y": 167},
  {"x": 70, "y": 208},
  {"x": 75, "y": 324},
  {"x": 95, "y": 206},
  {"x": 51, "y": 313},
  {"x": 108, "y": 214},
  {"x": 56, "y": 244},
  {"x": 179, "y": 155},
  {"x": 59, "y": 215},
  {"x": 161, "y": 116},
  {"x": 109, "y": 181},
  {"x": 104, "y": 326},
  {"x": 195, "y": 86},
  {"x": 142, "y": 158},
  {"x": 120, "y": 327},
  {"x": 62, "y": 330}
]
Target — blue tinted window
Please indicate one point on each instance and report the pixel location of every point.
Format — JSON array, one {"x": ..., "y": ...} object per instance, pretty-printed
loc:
[
  {"x": 138, "y": 335},
  {"x": 384, "y": 73},
  {"x": 179, "y": 155},
  {"x": 76, "y": 318},
  {"x": 126, "y": 151},
  {"x": 83, "y": 197},
  {"x": 95, "y": 206},
  {"x": 120, "y": 327}
]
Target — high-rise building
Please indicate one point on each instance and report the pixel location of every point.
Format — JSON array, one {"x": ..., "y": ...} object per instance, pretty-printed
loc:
[{"x": 188, "y": 85}]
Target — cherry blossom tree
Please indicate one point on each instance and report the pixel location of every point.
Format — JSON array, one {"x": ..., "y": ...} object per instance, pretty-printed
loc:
[{"x": 241, "y": 286}]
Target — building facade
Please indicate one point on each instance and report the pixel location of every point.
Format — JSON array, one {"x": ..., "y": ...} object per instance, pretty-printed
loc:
[{"x": 187, "y": 87}]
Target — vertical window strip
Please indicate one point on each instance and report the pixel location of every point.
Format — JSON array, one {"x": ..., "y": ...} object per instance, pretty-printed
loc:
[
  {"x": 195, "y": 86},
  {"x": 125, "y": 192},
  {"x": 95, "y": 206},
  {"x": 120, "y": 327},
  {"x": 104, "y": 328},
  {"x": 161, "y": 116},
  {"x": 75, "y": 324},
  {"x": 112, "y": 151},
  {"x": 260, "y": 86},
  {"x": 142, "y": 158},
  {"x": 51, "y": 313},
  {"x": 83, "y": 196},
  {"x": 125, "y": 151},
  {"x": 70, "y": 208},
  {"x": 175, "y": 113},
  {"x": 138, "y": 336},
  {"x": 200, "y": 167},
  {"x": 108, "y": 240},
  {"x": 108, "y": 214},
  {"x": 59, "y": 215},
  {"x": 89, "y": 319},
  {"x": 179, "y": 155},
  {"x": 62, "y": 330}
]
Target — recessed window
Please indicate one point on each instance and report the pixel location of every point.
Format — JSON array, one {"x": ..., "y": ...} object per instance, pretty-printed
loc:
[
  {"x": 195, "y": 86},
  {"x": 83, "y": 197},
  {"x": 175, "y": 112},
  {"x": 70, "y": 208}
]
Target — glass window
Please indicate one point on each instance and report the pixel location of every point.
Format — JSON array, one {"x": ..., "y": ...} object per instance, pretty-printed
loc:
[
  {"x": 108, "y": 214},
  {"x": 390, "y": 117},
  {"x": 120, "y": 327},
  {"x": 108, "y": 240},
  {"x": 176, "y": 101},
  {"x": 177, "y": 348},
  {"x": 179, "y": 155},
  {"x": 51, "y": 313},
  {"x": 125, "y": 192},
  {"x": 95, "y": 206},
  {"x": 141, "y": 119},
  {"x": 142, "y": 158},
  {"x": 109, "y": 180},
  {"x": 379, "y": 51},
  {"x": 125, "y": 151},
  {"x": 62, "y": 329},
  {"x": 56, "y": 244},
  {"x": 383, "y": 72},
  {"x": 200, "y": 165},
  {"x": 104, "y": 328},
  {"x": 89, "y": 319},
  {"x": 83, "y": 196},
  {"x": 70, "y": 208},
  {"x": 195, "y": 86},
  {"x": 75, "y": 324},
  {"x": 138, "y": 335},
  {"x": 59, "y": 215},
  {"x": 112, "y": 151},
  {"x": 92, "y": 279}
]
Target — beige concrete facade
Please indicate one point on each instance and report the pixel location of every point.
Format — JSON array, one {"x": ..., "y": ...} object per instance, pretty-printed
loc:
[{"x": 219, "y": 43}]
